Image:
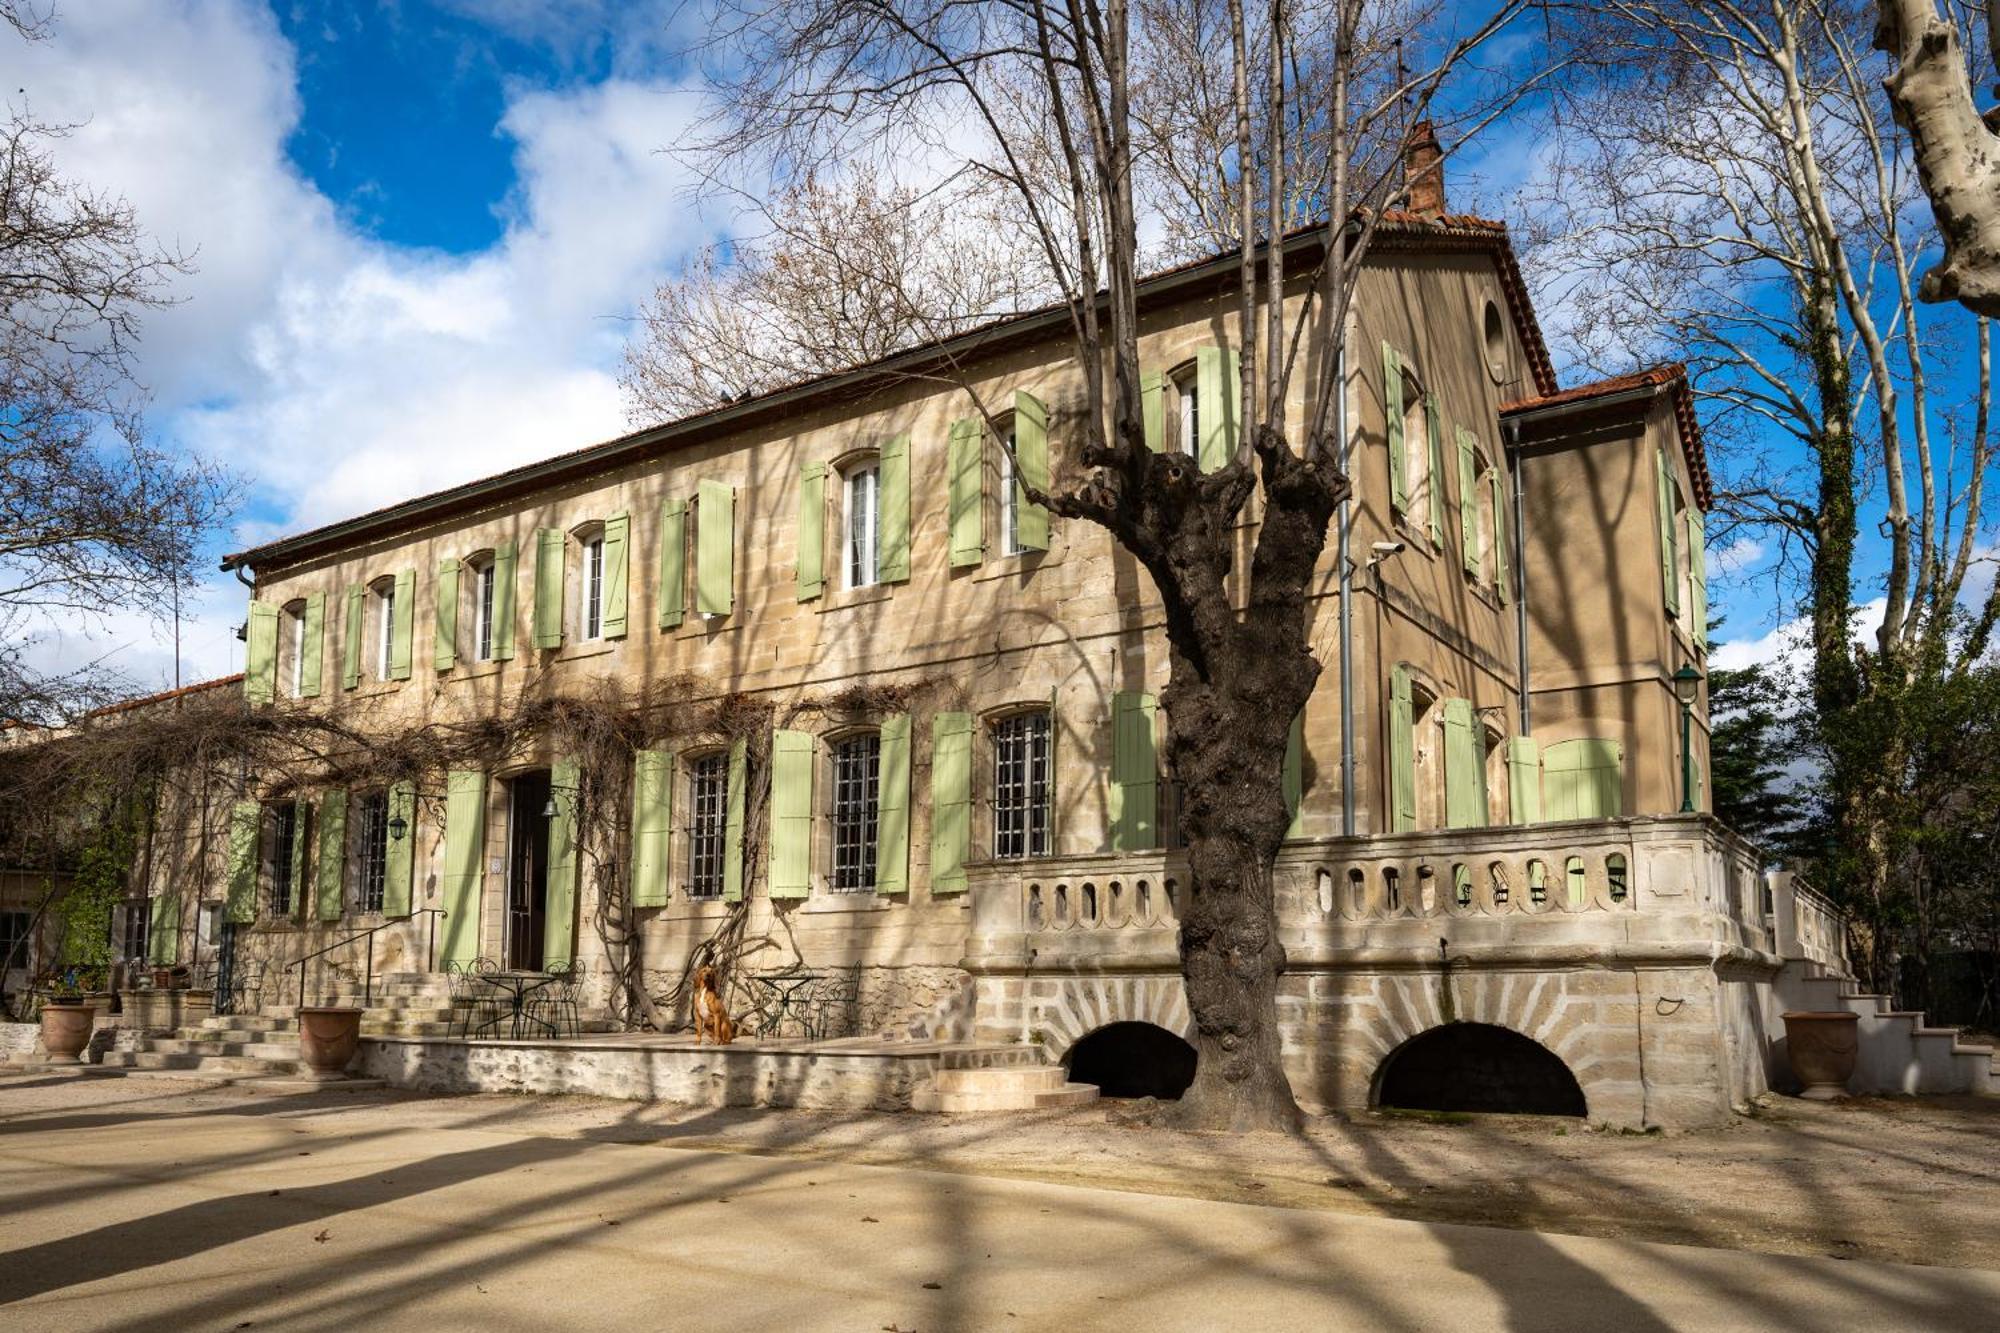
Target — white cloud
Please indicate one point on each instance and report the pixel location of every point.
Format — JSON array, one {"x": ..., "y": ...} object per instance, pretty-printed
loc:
[
  {"x": 1788, "y": 647},
  {"x": 335, "y": 372},
  {"x": 1740, "y": 555}
]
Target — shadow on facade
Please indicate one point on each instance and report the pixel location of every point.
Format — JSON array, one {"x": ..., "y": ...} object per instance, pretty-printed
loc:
[
  {"x": 1477, "y": 1067},
  {"x": 1133, "y": 1060}
]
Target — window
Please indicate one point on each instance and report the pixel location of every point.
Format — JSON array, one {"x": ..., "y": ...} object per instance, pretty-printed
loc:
[
  {"x": 857, "y": 764},
  {"x": 1416, "y": 451},
  {"x": 708, "y": 801},
  {"x": 372, "y": 856},
  {"x": 1184, "y": 411},
  {"x": 137, "y": 932},
  {"x": 484, "y": 575},
  {"x": 1021, "y": 785},
  {"x": 385, "y": 629},
  {"x": 1484, "y": 519},
  {"x": 284, "y": 845},
  {"x": 1010, "y": 498},
  {"x": 863, "y": 486},
  {"x": 15, "y": 933},
  {"x": 295, "y": 649},
  {"x": 591, "y": 604}
]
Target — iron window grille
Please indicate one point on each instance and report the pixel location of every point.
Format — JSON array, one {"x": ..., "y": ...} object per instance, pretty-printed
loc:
[
  {"x": 138, "y": 929},
  {"x": 284, "y": 841},
  {"x": 857, "y": 768},
  {"x": 708, "y": 797},
  {"x": 372, "y": 870},
  {"x": 16, "y": 929},
  {"x": 1021, "y": 786}
]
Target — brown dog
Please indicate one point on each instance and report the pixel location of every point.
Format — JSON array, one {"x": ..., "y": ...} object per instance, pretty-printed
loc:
[{"x": 711, "y": 1020}]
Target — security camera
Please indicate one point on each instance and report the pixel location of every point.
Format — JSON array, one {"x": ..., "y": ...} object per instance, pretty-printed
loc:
[{"x": 1383, "y": 550}]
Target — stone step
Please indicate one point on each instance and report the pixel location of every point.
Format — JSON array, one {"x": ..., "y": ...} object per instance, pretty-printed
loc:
[
  {"x": 1018, "y": 1078},
  {"x": 203, "y": 1064},
  {"x": 982, "y": 1102},
  {"x": 1069, "y": 1094},
  {"x": 991, "y": 1057}
]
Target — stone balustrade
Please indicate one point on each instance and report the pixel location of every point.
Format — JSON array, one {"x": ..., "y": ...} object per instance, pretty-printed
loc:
[{"x": 1806, "y": 922}]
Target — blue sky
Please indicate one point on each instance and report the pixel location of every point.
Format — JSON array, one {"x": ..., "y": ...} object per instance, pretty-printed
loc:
[{"x": 420, "y": 229}]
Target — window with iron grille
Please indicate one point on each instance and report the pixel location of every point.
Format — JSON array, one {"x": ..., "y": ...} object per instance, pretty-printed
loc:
[
  {"x": 284, "y": 840},
  {"x": 15, "y": 932},
  {"x": 138, "y": 929},
  {"x": 708, "y": 801},
  {"x": 857, "y": 767},
  {"x": 372, "y": 859},
  {"x": 1021, "y": 785}
]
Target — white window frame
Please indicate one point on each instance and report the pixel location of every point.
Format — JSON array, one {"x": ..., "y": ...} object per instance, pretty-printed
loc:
[
  {"x": 1010, "y": 500},
  {"x": 590, "y": 604},
  {"x": 385, "y": 628},
  {"x": 861, "y": 523},
  {"x": 296, "y": 615},
  {"x": 1420, "y": 487},
  {"x": 485, "y": 585},
  {"x": 1187, "y": 411}
]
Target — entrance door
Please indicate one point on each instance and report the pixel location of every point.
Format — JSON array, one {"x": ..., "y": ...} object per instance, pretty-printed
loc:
[{"x": 527, "y": 870}]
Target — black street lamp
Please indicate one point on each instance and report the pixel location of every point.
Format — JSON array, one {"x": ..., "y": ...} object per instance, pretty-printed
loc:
[
  {"x": 398, "y": 826},
  {"x": 1687, "y": 684}
]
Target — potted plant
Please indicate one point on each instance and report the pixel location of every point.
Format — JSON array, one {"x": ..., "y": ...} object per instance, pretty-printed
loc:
[
  {"x": 67, "y": 1017},
  {"x": 1822, "y": 1048},
  {"x": 328, "y": 1037}
]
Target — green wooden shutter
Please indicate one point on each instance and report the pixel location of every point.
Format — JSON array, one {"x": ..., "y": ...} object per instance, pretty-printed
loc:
[
  {"x": 313, "y": 663},
  {"x": 447, "y": 615},
  {"x": 329, "y": 889},
  {"x": 673, "y": 562},
  {"x": 246, "y": 828},
  {"x": 1669, "y": 539},
  {"x": 715, "y": 553},
  {"x": 1219, "y": 399},
  {"x": 402, "y": 627},
  {"x": 732, "y": 824},
  {"x": 1392, "y": 409},
  {"x": 1524, "y": 780},
  {"x": 892, "y": 811},
  {"x": 791, "y": 813},
  {"x": 300, "y": 816},
  {"x": 1697, "y": 538},
  {"x": 260, "y": 658},
  {"x": 1294, "y": 776},
  {"x": 652, "y": 826},
  {"x": 352, "y": 650},
  {"x": 464, "y": 864},
  {"x": 1503, "y": 572},
  {"x": 1468, "y": 504},
  {"x": 1464, "y": 767},
  {"x": 617, "y": 563},
  {"x": 951, "y": 801},
  {"x": 399, "y": 865},
  {"x": 967, "y": 545},
  {"x": 559, "y": 927},
  {"x": 163, "y": 930},
  {"x": 1031, "y": 453},
  {"x": 1135, "y": 776},
  {"x": 1583, "y": 779},
  {"x": 892, "y": 545},
  {"x": 1402, "y": 753},
  {"x": 506, "y": 572},
  {"x": 548, "y": 588},
  {"x": 812, "y": 530},
  {"x": 1153, "y": 408},
  {"x": 1435, "y": 425}
]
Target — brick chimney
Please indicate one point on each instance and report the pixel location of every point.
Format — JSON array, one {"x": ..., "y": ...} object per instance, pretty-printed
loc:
[{"x": 1423, "y": 171}]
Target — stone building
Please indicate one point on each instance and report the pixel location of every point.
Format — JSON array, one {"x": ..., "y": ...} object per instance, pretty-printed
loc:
[{"x": 956, "y": 787}]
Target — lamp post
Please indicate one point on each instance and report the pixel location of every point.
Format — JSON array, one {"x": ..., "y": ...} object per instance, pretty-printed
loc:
[{"x": 1687, "y": 683}]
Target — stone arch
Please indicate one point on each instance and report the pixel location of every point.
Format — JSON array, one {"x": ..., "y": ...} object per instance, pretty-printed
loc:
[
  {"x": 1130, "y": 1059},
  {"x": 1082, "y": 1005},
  {"x": 1477, "y": 1067}
]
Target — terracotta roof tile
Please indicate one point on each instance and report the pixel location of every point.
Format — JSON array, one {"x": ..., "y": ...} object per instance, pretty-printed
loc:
[{"x": 1671, "y": 376}]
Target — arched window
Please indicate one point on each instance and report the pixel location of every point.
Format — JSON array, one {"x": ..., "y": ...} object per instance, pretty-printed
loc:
[
  {"x": 1010, "y": 495},
  {"x": 292, "y": 648},
  {"x": 481, "y": 588},
  {"x": 1417, "y": 478},
  {"x": 589, "y": 540},
  {"x": 861, "y": 520},
  {"x": 382, "y": 630},
  {"x": 1023, "y": 784}
]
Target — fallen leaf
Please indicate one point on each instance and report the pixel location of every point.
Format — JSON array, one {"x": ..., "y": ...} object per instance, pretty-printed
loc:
[
  {"x": 871, "y": 1219},
  {"x": 933, "y": 1286},
  {"x": 323, "y": 1237}
]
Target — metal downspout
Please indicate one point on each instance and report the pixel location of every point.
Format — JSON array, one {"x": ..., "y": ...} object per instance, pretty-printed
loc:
[
  {"x": 1520, "y": 578},
  {"x": 1346, "y": 596}
]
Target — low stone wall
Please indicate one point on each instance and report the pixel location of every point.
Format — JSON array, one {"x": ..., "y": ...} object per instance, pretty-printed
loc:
[
  {"x": 165, "y": 1010},
  {"x": 19, "y": 1039},
  {"x": 917, "y": 1001},
  {"x": 708, "y": 1076}
]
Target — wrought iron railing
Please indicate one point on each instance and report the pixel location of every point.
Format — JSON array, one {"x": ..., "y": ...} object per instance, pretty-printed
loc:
[{"x": 368, "y": 935}]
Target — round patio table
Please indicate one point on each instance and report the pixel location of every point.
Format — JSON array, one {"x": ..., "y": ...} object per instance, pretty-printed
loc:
[
  {"x": 786, "y": 987},
  {"x": 518, "y": 985}
]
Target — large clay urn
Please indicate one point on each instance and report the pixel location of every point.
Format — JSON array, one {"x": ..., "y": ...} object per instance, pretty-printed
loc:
[
  {"x": 327, "y": 1039},
  {"x": 1822, "y": 1047},
  {"x": 66, "y": 1028}
]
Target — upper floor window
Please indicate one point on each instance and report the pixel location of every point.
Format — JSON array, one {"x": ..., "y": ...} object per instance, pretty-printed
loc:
[
  {"x": 1021, "y": 785},
  {"x": 384, "y": 600},
  {"x": 292, "y": 646},
  {"x": 590, "y": 570},
  {"x": 862, "y": 522},
  {"x": 1184, "y": 410},
  {"x": 1010, "y": 494},
  {"x": 857, "y": 766},
  {"x": 485, "y": 586},
  {"x": 1417, "y": 479},
  {"x": 708, "y": 803}
]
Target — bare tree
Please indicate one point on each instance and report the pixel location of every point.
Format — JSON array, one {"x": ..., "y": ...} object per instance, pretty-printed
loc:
[
  {"x": 1731, "y": 187},
  {"x": 1953, "y": 142},
  {"x": 93, "y": 517},
  {"x": 1039, "y": 99}
]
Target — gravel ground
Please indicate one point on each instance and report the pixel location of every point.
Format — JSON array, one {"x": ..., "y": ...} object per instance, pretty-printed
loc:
[{"x": 1895, "y": 1179}]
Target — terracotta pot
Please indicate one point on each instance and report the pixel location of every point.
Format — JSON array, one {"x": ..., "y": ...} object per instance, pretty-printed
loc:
[
  {"x": 66, "y": 1028},
  {"x": 1822, "y": 1048},
  {"x": 328, "y": 1038}
]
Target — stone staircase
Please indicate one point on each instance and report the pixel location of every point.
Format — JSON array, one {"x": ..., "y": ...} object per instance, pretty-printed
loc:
[
  {"x": 1899, "y": 1053},
  {"x": 999, "y": 1080},
  {"x": 263, "y": 1047}
]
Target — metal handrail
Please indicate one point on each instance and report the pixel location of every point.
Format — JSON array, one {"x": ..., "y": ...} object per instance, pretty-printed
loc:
[{"x": 368, "y": 979}]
